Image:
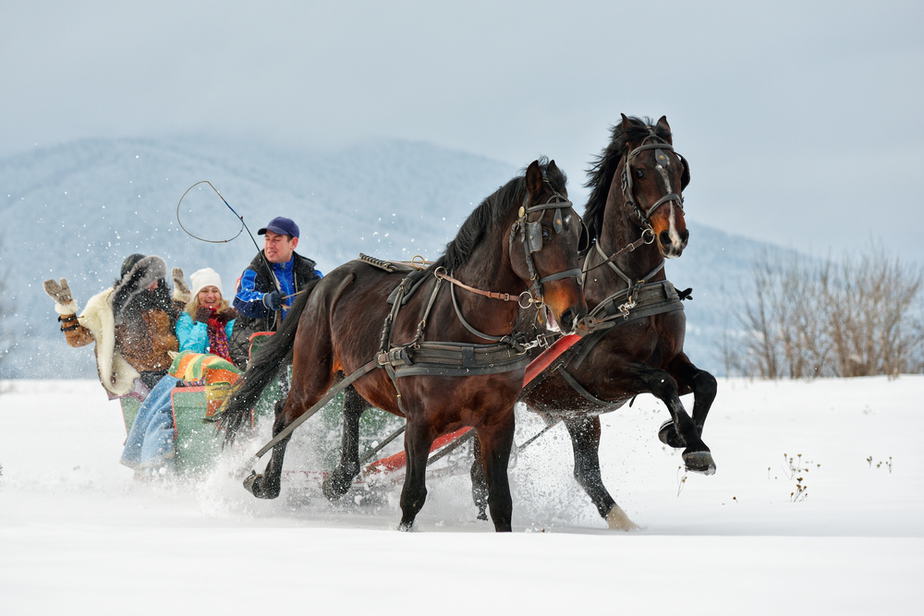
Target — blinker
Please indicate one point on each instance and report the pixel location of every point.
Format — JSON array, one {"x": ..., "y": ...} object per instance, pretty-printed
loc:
[
  {"x": 557, "y": 223},
  {"x": 534, "y": 236}
]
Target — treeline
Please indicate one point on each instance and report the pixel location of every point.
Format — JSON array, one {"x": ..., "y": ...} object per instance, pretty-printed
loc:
[{"x": 808, "y": 318}]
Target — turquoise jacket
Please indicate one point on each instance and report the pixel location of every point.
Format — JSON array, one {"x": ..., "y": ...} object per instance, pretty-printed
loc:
[{"x": 193, "y": 335}]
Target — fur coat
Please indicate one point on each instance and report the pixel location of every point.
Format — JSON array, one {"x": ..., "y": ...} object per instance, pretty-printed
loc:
[{"x": 132, "y": 326}]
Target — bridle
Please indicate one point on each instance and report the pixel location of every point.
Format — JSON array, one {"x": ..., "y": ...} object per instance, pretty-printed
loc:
[
  {"x": 662, "y": 162},
  {"x": 532, "y": 242},
  {"x": 531, "y": 231},
  {"x": 643, "y": 216}
]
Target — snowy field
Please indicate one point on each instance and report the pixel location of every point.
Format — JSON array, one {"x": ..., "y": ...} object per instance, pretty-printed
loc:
[{"x": 79, "y": 535}]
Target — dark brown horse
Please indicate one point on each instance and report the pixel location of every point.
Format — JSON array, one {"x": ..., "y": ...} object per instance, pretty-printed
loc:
[
  {"x": 639, "y": 321},
  {"x": 525, "y": 235}
]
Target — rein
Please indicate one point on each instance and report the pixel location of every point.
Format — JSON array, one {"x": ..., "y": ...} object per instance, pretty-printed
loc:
[
  {"x": 646, "y": 238},
  {"x": 441, "y": 273}
]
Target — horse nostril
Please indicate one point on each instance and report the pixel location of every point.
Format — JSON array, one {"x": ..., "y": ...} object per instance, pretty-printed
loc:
[{"x": 664, "y": 238}]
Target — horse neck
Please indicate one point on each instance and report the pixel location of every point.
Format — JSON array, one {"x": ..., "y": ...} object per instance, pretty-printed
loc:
[
  {"x": 617, "y": 232},
  {"x": 489, "y": 269}
]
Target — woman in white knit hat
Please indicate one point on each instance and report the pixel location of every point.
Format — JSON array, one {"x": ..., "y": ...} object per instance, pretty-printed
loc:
[{"x": 205, "y": 325}]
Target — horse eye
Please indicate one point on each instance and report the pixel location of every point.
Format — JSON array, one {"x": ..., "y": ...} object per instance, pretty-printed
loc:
[
  {"x": 639, "y": 173},
  {"x": 545, "y": 234}
]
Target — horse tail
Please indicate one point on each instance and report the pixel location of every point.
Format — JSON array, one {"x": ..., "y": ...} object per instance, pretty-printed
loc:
[{"x": 274, "y": 356}]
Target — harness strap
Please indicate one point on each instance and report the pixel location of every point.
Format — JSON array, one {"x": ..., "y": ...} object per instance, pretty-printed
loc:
[
  {"x": 466, "y": 324},
  {"x": 580, "y": 389},
  {"x": 647, "y": 237},
  {"x": 422, "y": 325},
  {"x": 571, "y": 273},
  {"x": 505, "y": 297}
]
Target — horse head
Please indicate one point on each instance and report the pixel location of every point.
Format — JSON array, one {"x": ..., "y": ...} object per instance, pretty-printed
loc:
[
  {"x": 543, "y": 244},
  {"x": 653, "y": 177}
]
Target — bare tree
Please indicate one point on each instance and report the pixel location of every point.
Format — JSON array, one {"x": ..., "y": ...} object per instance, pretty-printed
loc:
[{"x": 814, "y": 318}]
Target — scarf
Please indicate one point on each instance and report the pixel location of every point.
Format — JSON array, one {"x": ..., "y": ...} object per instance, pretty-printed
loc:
[{"x": 218, "y": 339}]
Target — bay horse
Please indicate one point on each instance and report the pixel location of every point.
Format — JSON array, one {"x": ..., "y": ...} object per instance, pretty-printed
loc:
[
  {"x": 523, "y": 236},
  {"x": 635, "y": 220}
]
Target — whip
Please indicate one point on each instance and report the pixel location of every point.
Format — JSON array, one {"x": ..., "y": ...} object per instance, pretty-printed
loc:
[{"x": 243, "y": 228}]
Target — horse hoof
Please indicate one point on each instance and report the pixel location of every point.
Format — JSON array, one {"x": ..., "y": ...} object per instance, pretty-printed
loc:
[
  {"x": 482, "y": 516},
  {"x": 699, "y": 462},
  {"x": 617, "y": 519},
  {"x": 250, "y": 481},
  {"x": 255, "y": 484},
  {"x": 406, "y": 527},
  {"x": 668, "y": 435}
]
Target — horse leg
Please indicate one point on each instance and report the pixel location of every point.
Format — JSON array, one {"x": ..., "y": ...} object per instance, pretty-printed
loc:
[
  {"x": 341, "y": 479},
  {"x": 662, "y": 385},
  {"x": 585, "y": 441},
  {"x": 496, "y": 442},
  {"x": 479, "y": 482},
  {"x": 312, "y": 375},
  {"x": 701, "y": 383},
  {"x": 417, "y": 441},
  {"x": 268, "y": 484}
]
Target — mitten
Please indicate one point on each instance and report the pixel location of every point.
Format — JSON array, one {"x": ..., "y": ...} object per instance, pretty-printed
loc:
[
  {"x": 181, "y": 292},
  {"x": 61, "y": 293},
  {"x": 203, "y": 314}
]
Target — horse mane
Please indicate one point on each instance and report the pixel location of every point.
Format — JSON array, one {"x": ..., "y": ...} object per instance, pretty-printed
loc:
[
  {"x": 492, "y": 212},
  {"x": 603, "y": 168}
]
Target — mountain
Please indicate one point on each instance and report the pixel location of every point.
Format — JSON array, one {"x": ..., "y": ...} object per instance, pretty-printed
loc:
[{"x": 76, "y": 210}]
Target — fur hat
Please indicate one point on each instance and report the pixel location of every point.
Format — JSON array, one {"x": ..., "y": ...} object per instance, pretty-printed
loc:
[
  {"x": 135, "y": 282},
  {"x": 129, "y": 262},
  {"x": 205, "y": 277}
]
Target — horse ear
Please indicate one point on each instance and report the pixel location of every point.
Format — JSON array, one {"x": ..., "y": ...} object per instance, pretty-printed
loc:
[
  {"x": 552, "y": 169},
  {"x": 534, "y": 178},
  {"x": 625, "y": 120},
  {"x": 664, "y": 128}
]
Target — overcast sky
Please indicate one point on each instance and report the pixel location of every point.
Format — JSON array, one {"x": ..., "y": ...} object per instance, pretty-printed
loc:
[{"x": 801, "y": 120}]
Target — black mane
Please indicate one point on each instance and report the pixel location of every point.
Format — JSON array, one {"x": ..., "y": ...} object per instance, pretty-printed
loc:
[
  {"x": 491, "y": 212},
  {"x": 604, "y": 168}
]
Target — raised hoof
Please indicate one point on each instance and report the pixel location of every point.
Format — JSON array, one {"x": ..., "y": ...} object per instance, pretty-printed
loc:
[
  {"x": 699, "y": 462},
  {"x": 668, "y": 435},
  {"x": 617, "y": 519},
  {"x": 255, "y": 484},
  {"x": 482, "y": 515}
]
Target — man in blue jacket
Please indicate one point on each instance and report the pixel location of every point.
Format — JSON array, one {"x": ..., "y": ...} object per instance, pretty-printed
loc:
[{"x": 267, "y": 287}]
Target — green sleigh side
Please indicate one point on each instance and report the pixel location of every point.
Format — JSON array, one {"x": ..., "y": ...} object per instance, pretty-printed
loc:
[{"x": 197, "y": 444}]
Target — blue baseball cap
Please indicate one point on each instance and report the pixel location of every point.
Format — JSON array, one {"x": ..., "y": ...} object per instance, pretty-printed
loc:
[{"x": 282, "y": 226}]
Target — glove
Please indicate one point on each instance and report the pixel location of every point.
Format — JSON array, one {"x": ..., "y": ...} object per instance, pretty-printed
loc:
[
  {"x": 180, "y": 290},
  {"x": 59, "y": 291},
  {"x": 273, "y": 300},
  {"x": 203, "y": 314},
  {"x": 228, "y": 314}
]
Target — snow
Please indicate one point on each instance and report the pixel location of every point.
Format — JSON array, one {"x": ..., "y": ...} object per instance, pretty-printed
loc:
[{"x": 78, "y": 533}]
